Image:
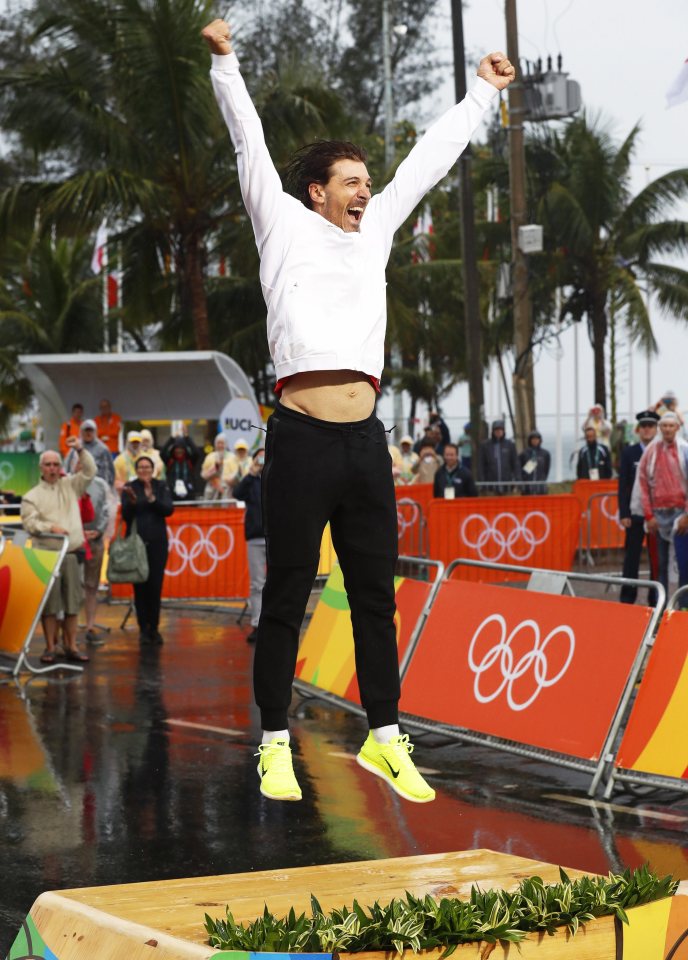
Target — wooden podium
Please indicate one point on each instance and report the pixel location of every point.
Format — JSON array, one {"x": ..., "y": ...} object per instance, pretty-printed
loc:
[{"x": 165, "y": 920}]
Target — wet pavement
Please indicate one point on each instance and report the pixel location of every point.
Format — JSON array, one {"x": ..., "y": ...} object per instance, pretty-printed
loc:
[{"x": 142, "y": 768}]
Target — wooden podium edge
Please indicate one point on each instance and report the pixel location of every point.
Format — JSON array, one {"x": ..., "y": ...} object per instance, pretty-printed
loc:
[
  {"x": 75, "y": 931},
  {"x": 72, "y": 930}
]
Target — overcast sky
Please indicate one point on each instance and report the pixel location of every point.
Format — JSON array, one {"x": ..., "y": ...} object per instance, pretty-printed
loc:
[{"x": 625, "y": 56}]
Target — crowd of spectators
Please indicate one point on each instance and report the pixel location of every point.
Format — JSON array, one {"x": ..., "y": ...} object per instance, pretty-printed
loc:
[{"x": 97, "y": 470}]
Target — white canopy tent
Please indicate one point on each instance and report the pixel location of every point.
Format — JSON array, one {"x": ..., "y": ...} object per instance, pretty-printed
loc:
[{"x": 189, "y": 385}]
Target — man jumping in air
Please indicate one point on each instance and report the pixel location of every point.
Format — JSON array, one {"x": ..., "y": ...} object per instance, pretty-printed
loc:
[{"x": 323, "y": 249}]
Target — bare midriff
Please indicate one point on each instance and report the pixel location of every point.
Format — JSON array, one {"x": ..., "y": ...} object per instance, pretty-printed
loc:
[{"x": 340, "y": 396}]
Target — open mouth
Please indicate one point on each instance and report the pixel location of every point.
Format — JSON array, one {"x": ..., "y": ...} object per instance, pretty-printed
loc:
[{"x": 355, "y": 214}]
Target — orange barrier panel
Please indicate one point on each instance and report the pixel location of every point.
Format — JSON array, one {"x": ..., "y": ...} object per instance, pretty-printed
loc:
[
  {"x": 410, "y": 526},
  {"x": 538, "y": 531},
  {"x": 26, "y": 575},
  {"x": 207, "y": 557},
  {"x": 420, "y": 492},
  {"x": 523, "y": 666},
  {"x": 584, "y": 489},
  {"x": 654, "y": 741},
  {"x": 603, "y": 528},
  {"x": 326, "y": 654}
]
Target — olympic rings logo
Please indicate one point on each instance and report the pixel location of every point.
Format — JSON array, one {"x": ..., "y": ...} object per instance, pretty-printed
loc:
[
  {"x": 606, "y": 511},
  {"x": 197, "y": 549},
  {"x": 6, "y": 472},
  {"x": 408, "y": 517},
  {"x": 507, "y": 534},
  {"x": 533, "y": 663}
]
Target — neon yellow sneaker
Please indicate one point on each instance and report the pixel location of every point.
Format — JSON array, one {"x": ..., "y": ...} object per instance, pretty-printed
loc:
[
  {"x": 392, "y": 761},
  {"x": 277, "y": 780}
]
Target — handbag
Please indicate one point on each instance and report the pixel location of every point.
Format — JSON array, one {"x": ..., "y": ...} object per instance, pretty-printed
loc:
[{"x": 128, "y": 560}]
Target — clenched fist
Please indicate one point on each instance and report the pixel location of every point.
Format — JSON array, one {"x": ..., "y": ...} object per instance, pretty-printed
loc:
[
  {"x": 218, "y": 37},
  {"x": 497, "y": 69}
]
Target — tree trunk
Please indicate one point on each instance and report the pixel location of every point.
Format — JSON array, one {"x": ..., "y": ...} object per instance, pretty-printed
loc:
[
  {"x": 193, "y": 283},
  {"x": 599, "y": 337}
]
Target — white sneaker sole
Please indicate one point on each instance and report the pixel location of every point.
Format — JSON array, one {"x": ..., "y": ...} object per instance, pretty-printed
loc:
[
  {"x": 273, "y": 796},
  {"x": 371, "y": 768}
]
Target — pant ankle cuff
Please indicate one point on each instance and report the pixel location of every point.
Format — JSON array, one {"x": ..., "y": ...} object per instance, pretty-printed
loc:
[
  {"x": 383, "y": 714},
  {"x": 274, "y": 720}
]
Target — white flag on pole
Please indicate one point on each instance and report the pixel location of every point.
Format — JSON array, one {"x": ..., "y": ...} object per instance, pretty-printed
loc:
[
  {"x": 98, "y": 258},
  {"x": 678, "y": 91}
]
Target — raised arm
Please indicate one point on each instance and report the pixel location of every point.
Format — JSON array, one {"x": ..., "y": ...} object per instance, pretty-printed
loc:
[
  {"x": 261, "y": 187},
  {"x": 442, "y": 144}
]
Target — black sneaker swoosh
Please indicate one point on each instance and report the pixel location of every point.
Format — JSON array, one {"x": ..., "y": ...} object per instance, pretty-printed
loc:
[{"x": 395, "y": 773}]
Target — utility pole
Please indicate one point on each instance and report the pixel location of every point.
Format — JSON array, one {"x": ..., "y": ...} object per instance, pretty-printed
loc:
[
  {"x": 523, "y": 381},
  {"x": 395, "y": 357},
  {"x": 473, "y": 330}
]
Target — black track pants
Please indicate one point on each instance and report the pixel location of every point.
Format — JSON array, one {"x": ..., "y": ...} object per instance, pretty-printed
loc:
[{"x": 316, "y": 471}]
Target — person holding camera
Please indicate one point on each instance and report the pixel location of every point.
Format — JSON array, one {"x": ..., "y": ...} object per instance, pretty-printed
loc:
[
  {"x": 149, "y": 503},
  {"x": 52, "y": 508}
]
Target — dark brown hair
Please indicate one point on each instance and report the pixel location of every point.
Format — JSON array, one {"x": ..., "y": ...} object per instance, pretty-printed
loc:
[{"x": 313, "y": 164}]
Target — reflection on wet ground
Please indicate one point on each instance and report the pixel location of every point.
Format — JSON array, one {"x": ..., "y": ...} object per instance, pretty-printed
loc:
[{"x": 142, "y": 768}]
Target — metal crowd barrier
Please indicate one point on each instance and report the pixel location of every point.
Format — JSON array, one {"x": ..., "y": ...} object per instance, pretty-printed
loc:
[
  {"x": 501, "y": 488},
  {"x": 420, "y": 692},
  {"x": 411, "y": 527},
  {"x": 605, "y": 536}
]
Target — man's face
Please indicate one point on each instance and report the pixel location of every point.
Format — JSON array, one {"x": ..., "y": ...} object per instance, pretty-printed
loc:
[
  {"x": 88, "y": 436},
  {"x": 450, "y": 458},
  {"x": 104, "y": 407},
  {"x": 647, "y": 432},
  {"x": 590, "y": 434},
  {"x": 135, "y": 447},
  {"x": 50, "y": 467},
  {"x": 669, "y": 430},
  {"x": 77, "y": 411},
  {"x": 534, "y": 441},
  {"x": 241, "y": 453},
  {"x": 345, "y": 196},
  {"x": 498, "y": 433},
  {"x": 179, "y": 453}
]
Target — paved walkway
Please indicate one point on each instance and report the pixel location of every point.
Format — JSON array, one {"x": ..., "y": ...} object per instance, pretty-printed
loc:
[{"x": 143, "y": 768}]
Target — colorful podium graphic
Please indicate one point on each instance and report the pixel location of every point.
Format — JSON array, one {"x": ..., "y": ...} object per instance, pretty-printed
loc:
[
  {"x": 26, "y": 575},
  {"x": 654, "y": 741}
]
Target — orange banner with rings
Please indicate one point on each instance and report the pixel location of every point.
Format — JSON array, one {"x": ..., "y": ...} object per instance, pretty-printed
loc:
[
  {"x": 539, "y": 531},
  {"x": 522, "y": 666},
  {"x": 207, "y": 558}
]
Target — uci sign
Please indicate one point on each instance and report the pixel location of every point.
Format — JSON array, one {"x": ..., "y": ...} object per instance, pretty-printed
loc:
[{"x": 241, "y": 419}]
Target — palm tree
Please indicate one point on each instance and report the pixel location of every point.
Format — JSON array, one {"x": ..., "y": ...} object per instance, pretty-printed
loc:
[
  {"x": 116, "y": 103},
  {"x": 49, "y": 303},
  {"x": 611, "y": 240}
]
